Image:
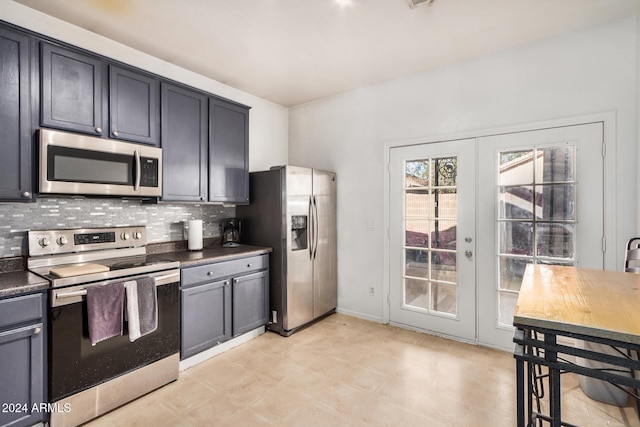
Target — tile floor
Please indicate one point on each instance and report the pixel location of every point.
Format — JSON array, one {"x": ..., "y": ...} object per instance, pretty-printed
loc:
[{"x": 346, "y": 371}]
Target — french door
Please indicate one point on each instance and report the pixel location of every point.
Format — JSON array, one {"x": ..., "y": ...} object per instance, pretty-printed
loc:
[
  {"x": 432, "y": 238},
  {"x": 541, "y": 201},
  {"x": 536, "y": 197}
]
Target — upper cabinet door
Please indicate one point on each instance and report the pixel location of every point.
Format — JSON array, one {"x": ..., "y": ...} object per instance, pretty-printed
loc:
[
  {"x": 134, "y": 106},
  {"x": 71, "y": 96},
  {"x": 184, "y": 144},
  {"x": 228, "y": 152},
  {"x": 15, "y": 128}
]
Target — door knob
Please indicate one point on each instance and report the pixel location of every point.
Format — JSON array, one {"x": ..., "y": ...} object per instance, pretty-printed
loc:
[{"x": 468, "y": 254}]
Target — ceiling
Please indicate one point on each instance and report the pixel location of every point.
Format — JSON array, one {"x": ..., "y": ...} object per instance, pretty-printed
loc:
[{"x": 295, "y": 51}]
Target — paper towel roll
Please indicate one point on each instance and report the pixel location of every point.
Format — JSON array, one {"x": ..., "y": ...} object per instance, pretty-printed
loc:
[{"x": 194, "y": 234}]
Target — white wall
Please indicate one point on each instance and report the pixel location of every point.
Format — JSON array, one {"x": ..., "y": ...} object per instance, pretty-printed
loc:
[
  {"x": 577, "y": 74},
  {"x": 268, "y": 127}
]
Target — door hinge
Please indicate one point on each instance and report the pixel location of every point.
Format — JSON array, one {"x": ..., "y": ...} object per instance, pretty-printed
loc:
[
  {"x": 604, "y": 244},
  {"x": 604, "y": 149}
]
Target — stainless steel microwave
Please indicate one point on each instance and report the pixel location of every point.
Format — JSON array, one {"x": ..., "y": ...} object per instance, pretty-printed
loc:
[{"x": 86, "y": 165}]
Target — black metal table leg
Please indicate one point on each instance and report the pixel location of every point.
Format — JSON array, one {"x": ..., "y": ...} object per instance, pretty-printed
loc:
[
  {"x": 554, "y": 382},
  {"x": 520, "y": 392}
]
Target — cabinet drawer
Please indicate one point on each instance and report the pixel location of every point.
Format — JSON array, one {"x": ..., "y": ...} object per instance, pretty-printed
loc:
[
  {"x": 14, "y": 311},
  {"x": 209, "y": 272}
]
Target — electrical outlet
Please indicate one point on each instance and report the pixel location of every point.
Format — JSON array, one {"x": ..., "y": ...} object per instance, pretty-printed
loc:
[{"x": 372, "y": 290}]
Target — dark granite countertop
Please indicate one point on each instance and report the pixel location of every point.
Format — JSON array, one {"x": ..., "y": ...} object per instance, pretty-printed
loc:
[
  {"x": 21, "y": 282},
  {"x": 212, "y": 254}
]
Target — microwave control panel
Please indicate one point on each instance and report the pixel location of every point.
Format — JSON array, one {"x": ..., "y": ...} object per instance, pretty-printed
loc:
[{"x": 150, "y": 172}]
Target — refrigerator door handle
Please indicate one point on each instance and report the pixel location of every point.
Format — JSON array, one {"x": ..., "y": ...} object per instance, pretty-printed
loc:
[
  {"x": 315, "y": 224},
  {"x": 311, "y": 228}
]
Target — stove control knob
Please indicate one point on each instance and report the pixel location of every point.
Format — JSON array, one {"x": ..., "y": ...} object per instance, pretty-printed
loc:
[
  {"x": 45, "y": 241},
  {"x": 137, "y": 235},
  {"x": 62, "y": 240},
  {"x": 124, "y": 236}
]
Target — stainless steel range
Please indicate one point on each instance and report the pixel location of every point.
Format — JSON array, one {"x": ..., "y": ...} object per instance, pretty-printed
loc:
[{"x": 87, "y": 379}]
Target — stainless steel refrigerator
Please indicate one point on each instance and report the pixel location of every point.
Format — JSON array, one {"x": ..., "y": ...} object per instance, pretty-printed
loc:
[{"x": 293, "y": 210}]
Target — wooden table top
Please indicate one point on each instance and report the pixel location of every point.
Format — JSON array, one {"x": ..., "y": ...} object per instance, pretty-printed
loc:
[{"x": 598, "y": 303}]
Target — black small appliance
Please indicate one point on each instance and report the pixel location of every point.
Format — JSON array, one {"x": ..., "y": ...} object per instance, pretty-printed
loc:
[{"x": 231, "y": 232}]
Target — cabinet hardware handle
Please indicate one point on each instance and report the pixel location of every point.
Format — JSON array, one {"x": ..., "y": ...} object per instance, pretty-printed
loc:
[
  {"x": 37, "y": 330},
  {"x": 248, "y": 265},
  {"x": 209, "y": 273},
  {"x": 115, "y": 133},
  {"x": 98, "y": 130},
  {"x": 26, "y": 194}
]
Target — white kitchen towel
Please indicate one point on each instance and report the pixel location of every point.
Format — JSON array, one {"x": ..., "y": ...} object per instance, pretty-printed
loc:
[{"x": 142, "y": 307}]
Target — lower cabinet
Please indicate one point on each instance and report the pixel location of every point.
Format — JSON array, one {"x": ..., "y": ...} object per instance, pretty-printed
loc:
[
  {"x": 250, "y": 302},
  {"x": 223, "y": 300},
  {"x": 22, "y": 352}
]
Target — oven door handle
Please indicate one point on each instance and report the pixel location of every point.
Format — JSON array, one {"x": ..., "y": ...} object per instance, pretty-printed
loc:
[{"x": 160, "y": 280}]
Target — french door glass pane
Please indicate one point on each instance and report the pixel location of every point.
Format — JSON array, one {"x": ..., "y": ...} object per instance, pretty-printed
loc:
[
  {"x": 418, "y": 203},
  {"x": 444, "y": 234},
  {"x": 536, "y": 216},
  {"x": 416, "y": 293},
  {"x": 430, "y": 216},
  {"x": 558, "y": 164},
  {"x": 515, "y": 167},
  {"x": 417, "y": 232},
  {"x": 516, "y": 238},
  {"x": 516, "y": 202},
  {"x": 507, "y": 304},
  {"x": 443, "y": 298},
  {"x": 417, "y": 173},
  {"x": 555, "y": 240},
  {"x": 445, "y": 203},
  {"x": 445, "y": 171},
  {"x": 556, "y": 202},
  {"x": 443, "y": 266},
  {"x": 416, "y": 263},
  {"x": 511, "y": 272}
]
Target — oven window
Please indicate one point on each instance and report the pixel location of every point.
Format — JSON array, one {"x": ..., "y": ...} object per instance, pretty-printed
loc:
[{"x": 76, "y": 165}]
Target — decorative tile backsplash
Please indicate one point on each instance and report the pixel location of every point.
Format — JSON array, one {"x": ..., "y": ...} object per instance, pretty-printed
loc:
[{"x": 164, "y": 221}]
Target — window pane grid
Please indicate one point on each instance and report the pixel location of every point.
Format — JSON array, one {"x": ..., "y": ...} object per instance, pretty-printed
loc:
[
  {"x": 535, "y": 216},
  {"x": 430, "y": 216}
]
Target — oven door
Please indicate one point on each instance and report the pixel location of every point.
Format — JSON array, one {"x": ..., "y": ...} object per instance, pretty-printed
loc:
[
  {"x": 76, "y": 365},
  {"x": 78, "y": 164}
]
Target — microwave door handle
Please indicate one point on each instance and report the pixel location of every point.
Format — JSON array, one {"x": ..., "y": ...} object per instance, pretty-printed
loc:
[{"x": 136, "y": 156}]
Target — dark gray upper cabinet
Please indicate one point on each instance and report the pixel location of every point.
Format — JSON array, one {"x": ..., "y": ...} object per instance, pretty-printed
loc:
[
  {"x": 15, "y": 108},
  {"x": 134, "y": 107},
  {"x": 228, "y": 152},
  {"x": 72, "y": 87},
  {"x": 77, "y": 96},
  {"x": 184, "y": 144}
]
